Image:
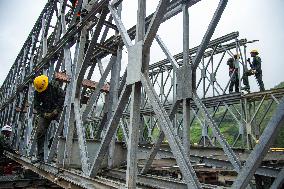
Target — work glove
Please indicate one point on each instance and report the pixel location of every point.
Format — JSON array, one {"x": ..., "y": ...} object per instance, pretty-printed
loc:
[
  {"x": 47, "y": 115},
  {"x": 51, "y": 115},
  {"x": 248, "y": 60}
]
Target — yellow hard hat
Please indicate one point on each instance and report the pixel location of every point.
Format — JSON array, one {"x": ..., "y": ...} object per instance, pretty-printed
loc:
[
  {"x": 236, "y": 56},
  {"x": 41, "y": 83},
  {"x": 254, "y": 51}
]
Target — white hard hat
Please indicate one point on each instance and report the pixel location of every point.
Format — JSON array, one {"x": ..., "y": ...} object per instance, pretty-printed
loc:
[{"x": 7, "y": 128}]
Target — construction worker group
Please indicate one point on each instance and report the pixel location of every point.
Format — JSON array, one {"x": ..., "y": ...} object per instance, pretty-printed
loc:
[{"x": 255, "y": 70}]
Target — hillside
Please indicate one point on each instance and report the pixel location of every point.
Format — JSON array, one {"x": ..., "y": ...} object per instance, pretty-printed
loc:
[{"x": 229, "y": 126}]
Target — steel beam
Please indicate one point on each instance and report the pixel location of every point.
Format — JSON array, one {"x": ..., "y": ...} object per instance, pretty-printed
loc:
[
  {"x": 182, "y": 159},
  {"x": 227, "y": 149},
  {"x": 111, "y": 128},
  {"x": 63, "y": 177},
  {"x": 125, "y": 37},
  {"x": 155, "y": 24},
  {"x": 257, "y": 155},
  {"x": 279, "y": 181}
]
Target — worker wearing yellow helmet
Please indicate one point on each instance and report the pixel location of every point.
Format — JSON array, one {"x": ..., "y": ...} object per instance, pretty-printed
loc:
[
  {"x": 255, "y": 70},
  {"x": 48, "y": 102},
  {"x": 256, "y": 66},
  {"x": 41, "y": 83},
  {"x": 254, "y": 51}
]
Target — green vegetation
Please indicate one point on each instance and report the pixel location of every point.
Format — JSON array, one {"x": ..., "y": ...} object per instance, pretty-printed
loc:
[
  {"x": 229, "y": 127},
  {"x": 279, "y": 141}
]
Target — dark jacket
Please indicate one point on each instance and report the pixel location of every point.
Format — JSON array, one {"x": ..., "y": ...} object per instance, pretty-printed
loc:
[
  {"x": 256, "y": 64},
  {"x": 4, "y": 144},
  {"x": 74, "y": 3},
  {"x": 231, "y": 65},
  {"x": 50, "y": 99}
]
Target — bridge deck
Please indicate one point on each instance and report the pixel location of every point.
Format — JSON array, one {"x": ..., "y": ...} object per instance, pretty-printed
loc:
[{"x": 228, "y": 99}]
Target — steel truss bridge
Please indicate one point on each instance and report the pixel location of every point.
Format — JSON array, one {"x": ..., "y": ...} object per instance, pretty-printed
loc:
[{"x": 119, "y": 130}]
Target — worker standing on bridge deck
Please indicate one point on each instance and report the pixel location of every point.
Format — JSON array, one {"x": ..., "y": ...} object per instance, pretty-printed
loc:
[
  {"x": 233, "y": 73},
  {"x": 256, "y": 65},
  {"x": 48, "y": 102},
  {"x": 255, "y": 70}
]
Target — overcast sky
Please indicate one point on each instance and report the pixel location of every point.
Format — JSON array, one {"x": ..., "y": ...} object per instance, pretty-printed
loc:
[{"x": 254, "y": 19}]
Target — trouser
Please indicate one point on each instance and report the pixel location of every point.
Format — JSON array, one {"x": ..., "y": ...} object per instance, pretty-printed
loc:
[
  {"x": 8, "y": 146},
  {"x": 246, "y": 80},
  {"x": 234, "y": 82},
  {"x": 42, "y": 125},
  {"x": 5, "y": 145},
  {"x": 258, "y": 77}
]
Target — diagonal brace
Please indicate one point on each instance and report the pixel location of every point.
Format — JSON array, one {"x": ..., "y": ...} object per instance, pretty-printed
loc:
[
  {"x": 257, "y": 155},
  {"x": 155, "y": 24},
  {"x": 216, "y": 131},
  {"x": 96, "y": 93},
  {"x": 110, "y": 131},
  {"x": 210, "y": 30},
  {"x": 123, "y": 32},
  {"x": 181, "y": 157}
]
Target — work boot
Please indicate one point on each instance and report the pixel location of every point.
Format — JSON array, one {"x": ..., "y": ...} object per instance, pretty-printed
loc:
[
  {"x": 261, "y": 87},
  {"x": 39, "y": 159},
  {"x": 36, "y": 161},
  {"x": 246, "y": 88}
]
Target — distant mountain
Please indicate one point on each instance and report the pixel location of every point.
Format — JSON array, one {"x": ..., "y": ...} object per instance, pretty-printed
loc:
[{"x": 280, "y": 85}]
